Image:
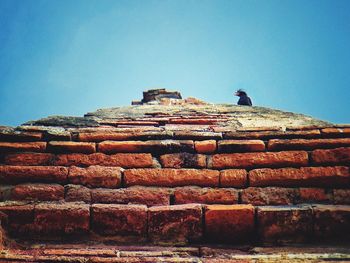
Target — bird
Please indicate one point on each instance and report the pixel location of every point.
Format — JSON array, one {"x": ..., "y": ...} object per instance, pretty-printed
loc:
[{"x": 243, "y": 98}]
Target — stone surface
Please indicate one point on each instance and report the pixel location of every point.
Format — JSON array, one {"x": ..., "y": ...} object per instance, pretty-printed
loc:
[
  {"x": 95, "y": 176},
  {"x": 229, "y": 223},
  {"x": 171, "y": 177},
  {"x": 29, "y": 159},
  {"x": 331, "y": 156},
  {"x": 40, "y": 192},
  {"x": 187, "y": 195},
  {"x": 233, "y": 178},
  {"x": 269, "y": 196},
  {"x": 253, "y": 160},
  {"x": 22, "y": 146},
  {"x": 175, "y": 224},
  {"x": 306, "y": 144},
  {"x": 241, "y": 146},
  {"x": 284, "y": 224},
  {"x": 125, "y": 220},
  {"x": 207, "y": 146},
  {"x": 304, "y": 176},
  {"x": 74, "y": 147},
  {"x": 78, "y": 193},
  {"x": 183, "y": 160}
]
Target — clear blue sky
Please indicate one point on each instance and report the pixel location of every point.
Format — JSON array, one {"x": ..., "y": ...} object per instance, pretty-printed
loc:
[{"x": 61, "y": 57}]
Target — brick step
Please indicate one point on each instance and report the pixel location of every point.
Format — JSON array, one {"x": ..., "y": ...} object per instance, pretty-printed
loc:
[{"x": 177, "y": 224}]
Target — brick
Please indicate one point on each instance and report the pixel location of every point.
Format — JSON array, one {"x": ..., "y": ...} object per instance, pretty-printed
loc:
[
  {"x": 305, "y": 127},
  {"x": 149, "y": 196},
  {"x": 41, "y": 192},
  {"x": 19, "y": 136},
  {"x": 332, "y": 222},
  {"x": 264, "y": 159},
  {"x": 22, "y": 146},
  {"x": 266, "y": 135},
  {"x": 341, "y": 196},
  {"x": 194, "y": 121},
  {"x": 314, "y": 195},
  {"x": 207, "y": 146},
  {"x": 5, "y": 192},
  {"x": 331, "y": 156},
  {"x": 162, "y": 146},
  {"x": 125, "y": 220},
  {"x": 186, "y": 127},
  {"x": 233, "y": 178},
  {"x": 171, "y": 177},
  {"x": 100, "y": 136},
  {"x": 13, "y": 174},
  {"x": 335, "y": 132},
  {"x": 29, "y": 158},
  {"x": 57, "y": 134},
  {"x": 95, "y": 176},
  {"x": 71, "y": 147},
  {"x": 197, "y": 135},
  {"x": 304, "y": 144},
  {"x": 177, "y": 224},
  {"x": 188, "y": 195},
  {"x": 183, "y": 160},
  {"x": 68, "y": 218},
  {"x": 126, "y": 160},
  {"x": 229, "y": 223},
  {"x": 280, "y": 224},
  {"x": 269, "y": 196},
  {"x": 241, "y": 146},
  {"x": 305, "y": 176},
  {"x": 77, "y": 193},
  {"x": 128, "y": 122}
]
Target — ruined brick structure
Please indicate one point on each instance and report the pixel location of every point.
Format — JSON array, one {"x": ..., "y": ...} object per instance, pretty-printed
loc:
[{"x": 148, "y": 177}]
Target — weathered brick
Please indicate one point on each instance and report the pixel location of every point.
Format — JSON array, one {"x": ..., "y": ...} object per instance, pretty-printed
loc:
[
  {"x": 332, "y": 222},
  {"x": 125, "y": 220},
  {"x": 257, "y": 129},
  {"x": 171, "y": 177},
  {"x": 5, "y": 192},
  {"x": 207, "y": 146},
  {"x": 331, "y": 156},
  {"x": 162, "y": 146},
  {"x": 126, "y": 160},
  {"x": 149, "y": 196},
  {"x": 119, "y": 123},
  {"x": 187, "y": 195},
  {"x": 68, "y": 218},
  {"x": 193, "y": 121},
  {"x": 100, "y": 136},
  {"x": 71, "y": 147},
  {"x": 11, "y": 135},
  {"x": 305, "y": 176},
  {"x": 183, "y": 160},
  {"x": 269, "y": 196},
  {"x": 335, "y": 132},
  {"x": 41, "y": 192},
  {"x": 29, "y": 158},
  {"x": 95, "y": 176},
  {"x": 229, "y": 223},
  {"x": 22, "y": 146},
  {"x": 197, "y": 135},
  {"x": 175, "y": 224},
  {"x": 265, "y": 135},
  {"x": 13, "y": 174},
  {"x": 314, "y": 195},
  {"x": 77, "y": 193},
  {"x": 306, "y": 144},
  {"x": 186, "y": 127},
  {"x": 261, "y": 159},
  {"x": 241, "y": 146},
  {"x": 233, "y": 178},
  {"x": 341, "y": 196},
  {"x": 280, "y": 224}
]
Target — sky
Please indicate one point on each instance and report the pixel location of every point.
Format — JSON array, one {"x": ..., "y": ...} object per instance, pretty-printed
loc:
[{"x": 64, "y": 57}]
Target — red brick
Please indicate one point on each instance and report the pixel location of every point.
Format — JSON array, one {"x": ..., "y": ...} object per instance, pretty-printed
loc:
[
  {"x": 42, "y": 192},
  {"x": 193, "y": 121},
  {"x": 100, "y": 136},
  {"x": 146, "y": 146},
  {"x": 304, "y": 144},
  {"x": 177, "y": 224},
  {"x": 305, "y": 127},
  {"x": 68, "y": 218},
  {"x": 335, "y": 132},
  {"x": 332, "y": 222},
  {"x": 29, "y": 158},
  {"x": 129, "y": 122},
  {"x": 265, "y": 135},
  {"x": 126, "y": 160},
  {"x": 341, "y": 196},
  {"x": 197, "y": 135},
  {"x": 13, "y": 174},
  {"x": 183, "y": 160},
  {"x": 71, "y": 147},
  {"x": 229, "y": 223},
  {"x": 77, "y": 193},
  {"x": 284, "y": 224},
  {"x": 331, "y": 156},
  {"x": 95, "y": 176},
  {"x": 208, "y": 146},
  {"x": 265, "y": 159},
  {"x": 269, "y": 196},
  {"x": 171, "y": 177},
  {"x": 233, "y": 178},
  {"x": 305, "y": 176},
  {"x": 187, "y": 195},
  {"x": 186, "y": 127},
  {"x": 20, "y": 136},
  {"x": 125, "y": 220},
  {"x": 314, "y": 195},
  {"x": 149, "y": 196},
  {"x": 22, "y": 146},
  {"x": 241, "y": 146}
]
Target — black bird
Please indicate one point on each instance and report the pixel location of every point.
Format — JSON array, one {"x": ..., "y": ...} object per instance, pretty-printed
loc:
[{"x": 243, "y": 98}]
